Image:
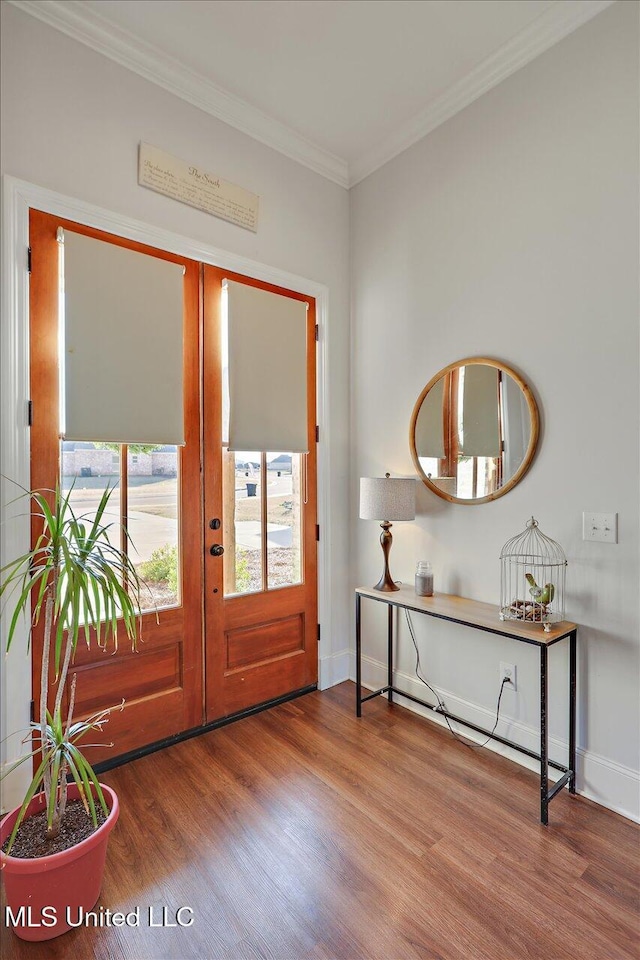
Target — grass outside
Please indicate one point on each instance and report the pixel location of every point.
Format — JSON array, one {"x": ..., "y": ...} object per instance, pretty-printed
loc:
[{"x": 160, "y": 574}]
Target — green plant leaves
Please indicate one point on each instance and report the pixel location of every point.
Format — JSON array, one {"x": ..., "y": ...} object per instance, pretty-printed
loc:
[{"x": 83, "y": 584}]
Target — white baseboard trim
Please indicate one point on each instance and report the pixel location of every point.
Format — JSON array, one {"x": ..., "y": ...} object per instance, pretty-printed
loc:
[
  {"x": 14, "y": 788},
  {"x": 609, "y": 784},
  {"x": 334, "y": 669}
]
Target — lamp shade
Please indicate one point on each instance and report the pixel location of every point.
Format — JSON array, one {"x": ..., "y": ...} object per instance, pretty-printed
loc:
[{"x": 386, "y": 498}]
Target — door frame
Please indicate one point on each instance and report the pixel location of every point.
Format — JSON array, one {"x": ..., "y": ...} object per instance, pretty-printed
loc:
[{"x": 18, "y": 197}]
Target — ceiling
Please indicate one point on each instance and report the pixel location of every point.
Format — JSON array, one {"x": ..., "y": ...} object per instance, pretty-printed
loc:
[{"x": 339, "y": 85}]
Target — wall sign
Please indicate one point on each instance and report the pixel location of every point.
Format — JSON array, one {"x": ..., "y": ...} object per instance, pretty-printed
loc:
[{"x": 190, "y": 184}]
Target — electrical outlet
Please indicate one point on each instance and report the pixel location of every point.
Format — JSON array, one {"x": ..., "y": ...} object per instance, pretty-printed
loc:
[
  {"x": 600, "y": 526},
  {"x": 508, "y": 672}
]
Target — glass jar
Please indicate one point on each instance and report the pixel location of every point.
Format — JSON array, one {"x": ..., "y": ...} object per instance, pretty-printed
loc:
[{"x": 424, "y": 579}]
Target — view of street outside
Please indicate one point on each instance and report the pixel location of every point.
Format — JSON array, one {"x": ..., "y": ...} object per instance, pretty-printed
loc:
[
  {"x": 153, "y": 518},
  {"x": 282, "y": 529}
]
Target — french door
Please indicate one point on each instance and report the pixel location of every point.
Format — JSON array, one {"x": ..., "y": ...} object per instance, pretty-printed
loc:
[
  {"x": 225, "y": 541},
  {"x": 260, "y": 547}
]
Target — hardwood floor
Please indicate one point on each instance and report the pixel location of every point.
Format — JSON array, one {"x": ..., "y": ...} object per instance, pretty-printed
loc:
[{"x": 303, "y": 833}]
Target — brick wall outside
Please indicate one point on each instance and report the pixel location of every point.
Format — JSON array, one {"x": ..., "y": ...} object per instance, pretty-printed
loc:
[
  {"x": 103, "y": 463},
  {"x": 164, "y": 464},
  {"x": 89, "y": 463},
  {"x": 139, "y": 465}
]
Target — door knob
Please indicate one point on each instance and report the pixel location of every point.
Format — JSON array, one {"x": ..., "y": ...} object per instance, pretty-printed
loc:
[{"x": 216, "y": 550}]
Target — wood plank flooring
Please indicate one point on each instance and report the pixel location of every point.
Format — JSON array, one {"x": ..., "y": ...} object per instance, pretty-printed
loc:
[{"x": 303, "y": 833}]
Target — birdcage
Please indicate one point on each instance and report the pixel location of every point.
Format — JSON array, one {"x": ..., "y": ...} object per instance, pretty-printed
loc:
[{"x": 532, "y": 583}]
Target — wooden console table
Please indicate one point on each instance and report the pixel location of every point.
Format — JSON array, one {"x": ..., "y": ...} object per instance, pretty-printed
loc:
[{"x": 483, "y": 616}]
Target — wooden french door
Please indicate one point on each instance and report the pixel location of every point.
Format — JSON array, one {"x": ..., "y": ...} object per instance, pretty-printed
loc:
[
  {"x": 202, "y": 655},
  {"x": 260, "y": 597},
  {"x": 161, "y": 683}
]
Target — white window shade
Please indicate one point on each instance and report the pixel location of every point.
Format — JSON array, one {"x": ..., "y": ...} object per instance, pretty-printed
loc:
[
  {"x": 430, "y": 423},
  {"x": 517, "y": 425},
  {"x": 267, "y": 336},
  {"x": 122, "y": 375},
  {"x": 480, "y": 417}
]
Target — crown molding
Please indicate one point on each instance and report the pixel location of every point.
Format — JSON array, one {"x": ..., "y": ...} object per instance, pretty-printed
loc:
[
  {"x": 549, "y": 28},
  {"x": 83, "y": 24}
]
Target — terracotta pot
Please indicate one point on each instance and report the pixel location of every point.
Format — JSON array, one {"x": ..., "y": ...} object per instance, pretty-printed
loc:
[{"x": 43, "y": 894}]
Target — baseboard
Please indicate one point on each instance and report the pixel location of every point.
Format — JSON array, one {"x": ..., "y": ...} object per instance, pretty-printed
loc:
[
  {"x": 14, "y": 788},
  {"x": 334, "y": 669},
  {"x": 609, "y": 784}
]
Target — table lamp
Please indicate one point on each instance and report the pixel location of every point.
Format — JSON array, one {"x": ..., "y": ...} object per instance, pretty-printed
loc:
[{"x": 386, "y": 499}]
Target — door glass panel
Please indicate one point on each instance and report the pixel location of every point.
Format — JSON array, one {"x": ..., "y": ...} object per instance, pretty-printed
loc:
[
  {"x": 153, "y": 521},
  {"x": 284, "y": 502},
  {"x": 87, "y": 469},
  {"x": 242, "y": 534}
]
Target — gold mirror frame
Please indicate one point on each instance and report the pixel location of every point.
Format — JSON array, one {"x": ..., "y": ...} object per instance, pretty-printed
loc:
[{"x": 533, "y": 438}]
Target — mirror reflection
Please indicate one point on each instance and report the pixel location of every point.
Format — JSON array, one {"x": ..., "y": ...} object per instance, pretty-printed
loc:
[{"x": 474, "y": 430}]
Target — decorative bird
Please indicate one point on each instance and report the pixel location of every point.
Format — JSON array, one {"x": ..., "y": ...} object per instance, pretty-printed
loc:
[{"x": 540, "y": 595}]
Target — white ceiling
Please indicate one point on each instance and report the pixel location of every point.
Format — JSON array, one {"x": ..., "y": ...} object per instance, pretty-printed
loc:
[{"x": 341, "y": 85}]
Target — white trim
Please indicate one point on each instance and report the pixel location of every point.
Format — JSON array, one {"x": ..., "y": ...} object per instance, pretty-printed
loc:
[
  {"x": 598, "y": 778},
  {"x": 18, "y": 197},
  {"x": 14, "y": 448},
  {"x": 602, "y": 778},
  {"x": 334, "y": 669},
  {"x": 82, "y": 23},
  {"x": 549, "y": 28}
]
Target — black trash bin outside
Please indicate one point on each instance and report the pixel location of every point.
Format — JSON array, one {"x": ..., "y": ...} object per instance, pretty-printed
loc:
[{"x": 251, "y": 489}]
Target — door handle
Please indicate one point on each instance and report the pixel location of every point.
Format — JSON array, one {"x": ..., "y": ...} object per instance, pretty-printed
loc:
[{"x": 216, "y": 550}]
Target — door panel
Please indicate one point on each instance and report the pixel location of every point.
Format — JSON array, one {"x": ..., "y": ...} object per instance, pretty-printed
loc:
[
  {"x": 161, "y": 685},
  {"x": 261, "y": 643}
]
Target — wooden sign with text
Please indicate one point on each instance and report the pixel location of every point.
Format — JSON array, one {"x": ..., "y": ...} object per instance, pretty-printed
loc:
[{"x": 190, "y": 184}]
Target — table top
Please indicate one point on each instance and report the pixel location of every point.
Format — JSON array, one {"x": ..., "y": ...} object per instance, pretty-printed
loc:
[{"x": 474, "y": 613}]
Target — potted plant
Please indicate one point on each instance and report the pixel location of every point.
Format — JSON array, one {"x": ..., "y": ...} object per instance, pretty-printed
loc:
[{"x": 78, "y": 583}]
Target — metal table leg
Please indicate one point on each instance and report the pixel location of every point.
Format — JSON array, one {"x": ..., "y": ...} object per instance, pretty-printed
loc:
[
  {"x": 544, "y": 738},
  {"x": 572, "y": 709},
  {"x": 390, "y": 653},
  {"x": 358, "y": 657}
]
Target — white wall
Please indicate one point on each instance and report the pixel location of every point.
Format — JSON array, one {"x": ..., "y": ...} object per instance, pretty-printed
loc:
[
  {"x": 512, "y": 231},
  {"x": 72, "y": 121}
]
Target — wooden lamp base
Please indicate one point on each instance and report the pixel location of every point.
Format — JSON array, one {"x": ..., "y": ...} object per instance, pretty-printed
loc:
[{"x": 385, "y": 583}]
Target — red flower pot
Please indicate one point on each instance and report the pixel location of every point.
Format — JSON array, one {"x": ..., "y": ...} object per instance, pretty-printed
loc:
[{"x": 45, "y": 893}]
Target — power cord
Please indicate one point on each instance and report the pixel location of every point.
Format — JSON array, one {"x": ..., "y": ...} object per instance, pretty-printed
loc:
[{"x": 441, "y": 707}]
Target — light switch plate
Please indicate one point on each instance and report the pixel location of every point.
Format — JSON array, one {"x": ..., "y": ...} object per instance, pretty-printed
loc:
[{"x": 600, "y": 526}]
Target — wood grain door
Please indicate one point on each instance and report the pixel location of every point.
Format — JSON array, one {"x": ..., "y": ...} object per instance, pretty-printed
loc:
[
  {"x": 227, "y": 635},
  {"x": 158, "y": 496},
  {"x": 260, "y": 509}
]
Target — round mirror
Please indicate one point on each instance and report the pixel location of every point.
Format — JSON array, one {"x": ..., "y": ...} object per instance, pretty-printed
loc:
[{"x": 474, "y": 431}]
